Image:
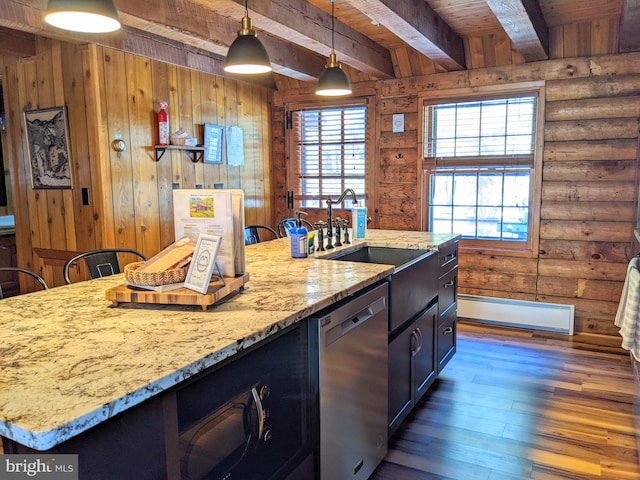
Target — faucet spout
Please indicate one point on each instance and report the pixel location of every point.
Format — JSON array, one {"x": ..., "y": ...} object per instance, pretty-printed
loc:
[{"x": 330, "y": 202}]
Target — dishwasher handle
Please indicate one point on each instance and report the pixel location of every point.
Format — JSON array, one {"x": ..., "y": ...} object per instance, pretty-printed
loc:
[{"x": 351, "y": 322}]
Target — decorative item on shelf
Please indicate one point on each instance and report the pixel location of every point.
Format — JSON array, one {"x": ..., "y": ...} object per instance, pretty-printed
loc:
[
  {"x": 333, "y": 82},
  {"x": 182, "y": 139},
  {"x": 163, "y": 125},
  {"x": 246, "y": 54},
  {"x": 95, "y": 16}
]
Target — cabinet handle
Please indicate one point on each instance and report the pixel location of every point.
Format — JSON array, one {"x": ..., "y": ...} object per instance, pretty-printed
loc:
[
  {"x": 417, "y": 334},
  {"x": 447, "y": 331},
  {"x": 259, "y": 410},
  {"x": 449, "y": 256},
  {"x": 448, "y": 284}
]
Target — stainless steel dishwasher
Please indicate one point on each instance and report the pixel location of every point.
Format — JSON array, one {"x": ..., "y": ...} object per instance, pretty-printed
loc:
[{"x": 353, "y": 366}]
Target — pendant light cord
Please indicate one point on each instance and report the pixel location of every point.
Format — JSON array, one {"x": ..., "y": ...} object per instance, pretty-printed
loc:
[{"x": 333, "y": 27}]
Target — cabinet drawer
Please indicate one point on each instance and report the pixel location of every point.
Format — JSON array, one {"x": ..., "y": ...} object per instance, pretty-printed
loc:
[
  {"x": 448, "y": 257},
  {"x": 446, "y": 340},
  {"x": 447, "y": 292}
]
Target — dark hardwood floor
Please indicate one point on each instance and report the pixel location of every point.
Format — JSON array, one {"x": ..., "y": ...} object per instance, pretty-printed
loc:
[{"x": 516, "y": 404}]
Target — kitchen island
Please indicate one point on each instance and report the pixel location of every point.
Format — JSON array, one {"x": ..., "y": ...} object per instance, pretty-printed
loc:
[{"x": 70, "y": 360}]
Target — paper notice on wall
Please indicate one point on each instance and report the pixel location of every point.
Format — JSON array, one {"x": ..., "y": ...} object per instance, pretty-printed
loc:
[
  {"x": 235, "y": 146},
  {"x": 213, "y": 212}
]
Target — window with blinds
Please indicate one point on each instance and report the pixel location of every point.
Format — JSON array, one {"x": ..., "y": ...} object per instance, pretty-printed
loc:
[
  {"x": 328, "y": 153},
  {"x": 480, "y": 156}
]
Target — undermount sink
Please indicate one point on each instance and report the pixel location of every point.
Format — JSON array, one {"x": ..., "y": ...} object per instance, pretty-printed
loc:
[{"x": 399, "y": 257}]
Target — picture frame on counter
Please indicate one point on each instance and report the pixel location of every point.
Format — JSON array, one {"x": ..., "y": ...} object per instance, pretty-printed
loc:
[
  {"x": 48, "y": 147},
  {"x": 213, "y": 138},
  {"x": 202, "y": 263}
]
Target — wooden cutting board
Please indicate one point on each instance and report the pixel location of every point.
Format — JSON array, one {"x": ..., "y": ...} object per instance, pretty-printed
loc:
[{"x": 181, "y": 296}]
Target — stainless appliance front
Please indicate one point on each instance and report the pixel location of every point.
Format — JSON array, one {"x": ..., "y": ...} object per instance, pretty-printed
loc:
[{"x": 353, "y": 386}]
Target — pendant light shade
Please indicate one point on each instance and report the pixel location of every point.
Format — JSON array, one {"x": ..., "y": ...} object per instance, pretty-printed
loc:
[
  {"x": 87, "y": 16},
  {"x": 246, "y": 54},
  {"x": 333, "y": 82}
]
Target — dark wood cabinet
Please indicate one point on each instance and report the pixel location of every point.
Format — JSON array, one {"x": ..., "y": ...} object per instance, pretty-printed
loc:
[
  {"x": 446, "y": 326},
  {"x": 412, "y": 367}
]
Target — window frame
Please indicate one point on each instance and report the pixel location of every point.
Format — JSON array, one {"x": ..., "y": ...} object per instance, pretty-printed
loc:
[
  {"x": 530, "y": 247},
  {"x": 292, "y": 152}
]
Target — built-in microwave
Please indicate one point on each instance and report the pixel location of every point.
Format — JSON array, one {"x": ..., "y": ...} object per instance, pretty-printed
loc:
[{"x": 250, "y": 419}]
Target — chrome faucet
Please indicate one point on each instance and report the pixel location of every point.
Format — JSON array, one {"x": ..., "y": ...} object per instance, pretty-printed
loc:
[{"x": 354, "y": 199}]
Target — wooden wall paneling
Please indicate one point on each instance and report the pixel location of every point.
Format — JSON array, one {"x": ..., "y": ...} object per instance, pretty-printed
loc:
[
  {"x": 231, "y": 120},
  {"x": 265, "y": 155},
  {"x": 280, "y": 163},
  {"x": 500, "y": 284},
  {"x": 80, "y": 228},
  {"x": 249, "y": 179},
  {"x": 593, "y": 87},
  {"x": 118, "y": 122},
  {"x": 164, "y": 169},
  {"x": 609, "y": 251},
  {"x": 221, "y": 119},
  {"x": 589, "y": 191},
  {"x": 474, "y": 52},
  {"x": 196, "y": 129},
  {"x": 604, "y": 36},
  {"x": 145, "y": 178},
  {"x": 556, "y": 49},
  {"x": 590, "y": 129},
  {"x": 184, "y": 107},
  {"x": 594, "y": 108},
  {"x": 209, "y": 110},
  {"x": 94, "y": 59},
  {"x": 36, "y": 205},
  {"x": 600, "y": 170},
  {"x": 17, "y": 159},
  {"x": 174, "y": 119},
  {"x": 613, "y": 149},
  {"x": 62, "y": 232},
  {"x": 594, "y": 210},
  {"x": 586, "y": 230}
]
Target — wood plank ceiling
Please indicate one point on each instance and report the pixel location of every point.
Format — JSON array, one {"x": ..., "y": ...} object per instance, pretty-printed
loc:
[{"x": 374, "y": 39}]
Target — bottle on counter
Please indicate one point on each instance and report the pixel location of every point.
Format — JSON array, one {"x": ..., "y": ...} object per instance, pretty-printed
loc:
[
  {"x": 359, "y": 221},
  {"x": 299, "y": 238}
]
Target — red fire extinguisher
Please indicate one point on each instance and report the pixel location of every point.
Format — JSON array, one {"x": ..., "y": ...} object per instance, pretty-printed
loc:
[{"x": 163, "y": 125}]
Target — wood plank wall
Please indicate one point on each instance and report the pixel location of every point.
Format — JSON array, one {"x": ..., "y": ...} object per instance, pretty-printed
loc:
[
  {"x": 107, "y": 94},
  {"x": 589, "y": 169}
]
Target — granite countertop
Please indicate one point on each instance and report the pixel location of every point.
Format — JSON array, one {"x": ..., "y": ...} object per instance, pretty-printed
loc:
[{"x": 70, "y": 360}]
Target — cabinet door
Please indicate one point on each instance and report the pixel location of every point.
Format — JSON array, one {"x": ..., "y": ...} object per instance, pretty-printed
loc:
[
  {"x": 422, "y": 352},
  {"x": 400, "y": 385}
]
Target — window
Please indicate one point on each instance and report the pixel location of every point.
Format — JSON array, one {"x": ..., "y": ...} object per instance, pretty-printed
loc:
[
  {"x": 481, "y": 166},
  {"x": 328, "y": 153}
]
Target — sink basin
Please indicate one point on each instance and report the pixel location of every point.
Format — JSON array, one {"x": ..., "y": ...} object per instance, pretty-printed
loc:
[
  {"x": 414, "y": 282},
  {"x": 399, "y": 257}
]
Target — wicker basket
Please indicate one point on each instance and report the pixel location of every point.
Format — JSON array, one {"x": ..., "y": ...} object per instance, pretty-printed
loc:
[{"x": 154, "y": 279}]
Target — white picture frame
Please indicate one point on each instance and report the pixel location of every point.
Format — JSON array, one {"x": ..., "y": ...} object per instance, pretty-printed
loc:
[{"x": 202, "y": 263}]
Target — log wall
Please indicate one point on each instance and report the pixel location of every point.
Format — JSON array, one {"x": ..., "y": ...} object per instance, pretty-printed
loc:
[
  {"x": 589, "y": 176},
  {"x": 110, "y": 94}
]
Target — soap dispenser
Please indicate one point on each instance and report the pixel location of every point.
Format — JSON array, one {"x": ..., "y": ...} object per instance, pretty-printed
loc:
[{"x": 298, "y": 236}]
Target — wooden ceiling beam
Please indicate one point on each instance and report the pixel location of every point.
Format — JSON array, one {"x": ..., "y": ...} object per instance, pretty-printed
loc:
[
  {"x": 197, "y": 26},
  {"x": 303, "y": 24},
  {"x": 525, "y": 25},
  {"x": 17, "y": 43},
  {"x": 629, "y": 31},
  {"x": 417, "y": 24}
]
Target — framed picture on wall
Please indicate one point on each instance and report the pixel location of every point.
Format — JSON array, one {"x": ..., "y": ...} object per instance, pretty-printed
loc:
[{"x": 48, "y": 147}]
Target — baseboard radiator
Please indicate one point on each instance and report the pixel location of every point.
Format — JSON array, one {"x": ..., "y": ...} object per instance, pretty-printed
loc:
[{"x": 517, "y": 313}]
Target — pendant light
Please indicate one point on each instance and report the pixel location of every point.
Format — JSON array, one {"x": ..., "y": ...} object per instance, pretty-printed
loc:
[
  {"x": 333, "y": 82},
  {"x": 246, "y": 54},
  {"x": 87, "y": 16}
]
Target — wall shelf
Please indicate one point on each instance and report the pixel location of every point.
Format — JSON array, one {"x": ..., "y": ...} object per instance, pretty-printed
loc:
[{"x": 194, "y": 153}]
